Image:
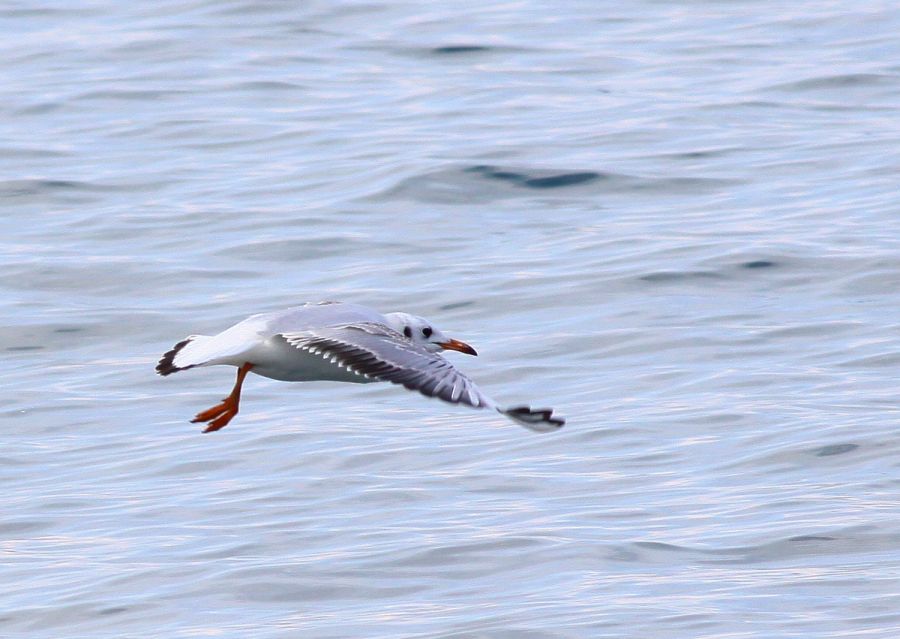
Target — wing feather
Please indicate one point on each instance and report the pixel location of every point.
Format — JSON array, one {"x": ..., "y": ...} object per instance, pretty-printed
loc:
[
  {"x": 378, "y": 351},
  {"x": 374, "y": 350}
]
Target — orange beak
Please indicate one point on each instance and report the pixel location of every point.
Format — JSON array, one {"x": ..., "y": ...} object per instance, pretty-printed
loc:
[{"x": 456, "y": 345}]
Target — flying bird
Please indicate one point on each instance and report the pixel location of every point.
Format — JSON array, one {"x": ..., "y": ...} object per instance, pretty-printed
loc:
[{"x": 339, "y": 342}]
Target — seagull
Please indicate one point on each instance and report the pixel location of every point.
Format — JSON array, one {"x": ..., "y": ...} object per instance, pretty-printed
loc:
[{"x": 340, "y": 342}]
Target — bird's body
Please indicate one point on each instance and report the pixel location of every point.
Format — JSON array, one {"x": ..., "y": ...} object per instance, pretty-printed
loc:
[
  {"x": 334, "y": 341},
  {"x": 257, "y": 339}
]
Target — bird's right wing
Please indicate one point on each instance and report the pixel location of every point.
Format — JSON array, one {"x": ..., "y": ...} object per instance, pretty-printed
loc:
[{"x": 374, "y": 350}]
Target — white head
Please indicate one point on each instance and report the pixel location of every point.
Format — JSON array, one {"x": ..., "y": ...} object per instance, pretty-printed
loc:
[{"x": 420, "y": 331}]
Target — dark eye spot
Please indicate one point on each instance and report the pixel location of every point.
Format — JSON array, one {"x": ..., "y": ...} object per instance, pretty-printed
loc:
[
  {"x": 407, "y": 331},
  {"x": 427, "y": 331}
]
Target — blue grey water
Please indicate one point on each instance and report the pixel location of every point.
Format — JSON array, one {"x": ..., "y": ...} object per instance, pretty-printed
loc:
[{"x": 675, "y": 223}]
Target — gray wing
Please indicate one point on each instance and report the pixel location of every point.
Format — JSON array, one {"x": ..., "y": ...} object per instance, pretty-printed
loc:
[{"x": 376, "y": 351}]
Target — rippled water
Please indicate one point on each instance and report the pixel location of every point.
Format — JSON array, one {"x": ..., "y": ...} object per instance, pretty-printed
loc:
[{"x": 676, "y": 223}]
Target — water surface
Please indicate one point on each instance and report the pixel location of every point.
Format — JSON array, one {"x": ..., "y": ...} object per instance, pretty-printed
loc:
[{"x": 677, "y": 225}]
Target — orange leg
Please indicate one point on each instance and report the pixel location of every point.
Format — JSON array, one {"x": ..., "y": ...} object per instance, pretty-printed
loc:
[{"x": 220, "y": 414}]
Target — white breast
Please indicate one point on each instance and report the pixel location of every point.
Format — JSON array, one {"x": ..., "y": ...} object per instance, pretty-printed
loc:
[{"x": 276, "y": 359}]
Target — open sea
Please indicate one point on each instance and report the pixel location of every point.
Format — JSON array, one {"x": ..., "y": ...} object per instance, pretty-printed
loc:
[{"x": 676, "y": 223}]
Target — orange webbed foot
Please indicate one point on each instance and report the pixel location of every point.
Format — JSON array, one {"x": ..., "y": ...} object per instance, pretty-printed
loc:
[{"x": 218, "y": 416}]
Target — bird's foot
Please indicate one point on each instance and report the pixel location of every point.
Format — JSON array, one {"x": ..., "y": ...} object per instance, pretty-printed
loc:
[{"x": 218, "y": 416}]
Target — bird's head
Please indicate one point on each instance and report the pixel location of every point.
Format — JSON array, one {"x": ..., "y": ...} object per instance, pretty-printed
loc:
[{"x": 420, "y": 331}]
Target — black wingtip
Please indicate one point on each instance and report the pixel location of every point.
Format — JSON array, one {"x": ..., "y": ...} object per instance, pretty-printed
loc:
[
  {"x": 166, "y": 365},
  {"x": 541, "y": 419}
]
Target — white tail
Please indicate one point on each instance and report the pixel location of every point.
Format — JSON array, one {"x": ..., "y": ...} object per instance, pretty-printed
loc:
[{"x": 190, "y": 352}]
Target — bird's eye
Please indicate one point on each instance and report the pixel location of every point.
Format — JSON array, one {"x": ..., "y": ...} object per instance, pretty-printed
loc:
[
  {"x": 427, "y": 331},
  {"x": 407, "y": 331}
]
